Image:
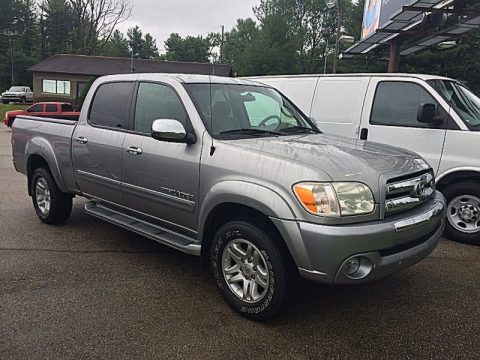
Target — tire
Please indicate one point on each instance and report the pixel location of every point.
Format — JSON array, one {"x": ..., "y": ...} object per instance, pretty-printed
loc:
[
  {"x": 51, "y": 205},
  {"x": 5, "y": 102},
  {"x": 23, "y": 100},
  {"x": 463, "y": 212},
  {"x": 268, "y": 276}
]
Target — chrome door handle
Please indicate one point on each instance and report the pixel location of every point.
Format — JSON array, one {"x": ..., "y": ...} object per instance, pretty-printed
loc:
[
  {"x": 134, "y": 150},
  {"x": 81, "y": 140}
]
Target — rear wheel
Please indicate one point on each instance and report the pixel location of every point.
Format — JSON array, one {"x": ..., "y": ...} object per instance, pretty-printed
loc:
[
  {"x": 51, "y": 205},
  {"x": 463, "y": 212},
  {"x": 251, "y": 269}
]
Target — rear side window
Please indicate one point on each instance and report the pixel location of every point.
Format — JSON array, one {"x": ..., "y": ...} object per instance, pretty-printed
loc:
[
  {"x": 67, "y": 107},
  {"x": 396, "y": 104},
  {"x": 154, "y": 102},
  {"x": 51, "y": 108},
  {"x": 111, "y": 105}
]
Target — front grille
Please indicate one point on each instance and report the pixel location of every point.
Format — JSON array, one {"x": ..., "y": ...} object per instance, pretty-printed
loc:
[{"x": 404, "y": 193}]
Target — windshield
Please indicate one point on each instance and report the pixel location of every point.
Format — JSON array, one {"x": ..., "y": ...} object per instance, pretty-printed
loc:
[
  {"x": 241, "y": 111},
  {"x": 462, "y": 100},
  {"x": 16, "y": 89}
]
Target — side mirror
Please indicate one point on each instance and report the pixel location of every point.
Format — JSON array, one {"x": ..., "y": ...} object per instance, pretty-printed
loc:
[
  {"x": 172, "y": 131},
  {"x": 427, "y": 114}
]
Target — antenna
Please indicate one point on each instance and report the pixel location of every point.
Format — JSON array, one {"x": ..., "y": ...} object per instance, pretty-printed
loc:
[{"x": 212, "y": 147}]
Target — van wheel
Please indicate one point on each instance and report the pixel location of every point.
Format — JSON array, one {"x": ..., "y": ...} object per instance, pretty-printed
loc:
[
  {"x": 463, "y": 212},
  {"x": 51, "y": 205},
  {"x": 251, "y": 270}
]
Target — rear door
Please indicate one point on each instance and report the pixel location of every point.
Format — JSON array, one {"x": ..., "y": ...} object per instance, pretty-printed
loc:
[
  {"x": 337, "y": 105},
  {"x": 390, "y": 117},
  {"x": 161, "y": 179},
  {"x": 97, "y": 142}
]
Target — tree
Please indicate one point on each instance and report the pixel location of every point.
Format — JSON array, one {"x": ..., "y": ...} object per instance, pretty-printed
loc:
[
  {"x": 116, "y": 46},
  {"x": 95, "y": 21},
  {"x": 195, "y": 49},
  {"x": 149, "y": 50},
  {"x": 135, "y": 41},
  {"x": 56, "y": 27}
]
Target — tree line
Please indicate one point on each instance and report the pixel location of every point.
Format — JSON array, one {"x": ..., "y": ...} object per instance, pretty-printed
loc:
[{"x": 286, "y": 37}]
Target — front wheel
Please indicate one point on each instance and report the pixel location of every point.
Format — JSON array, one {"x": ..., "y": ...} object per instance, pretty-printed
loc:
[
  {"x": 51, "y": 205},
  {"x": 251, "y": 269},
  {"x": 463, "y": 212}
]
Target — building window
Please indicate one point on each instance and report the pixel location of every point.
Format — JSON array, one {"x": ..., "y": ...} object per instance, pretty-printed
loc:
[{"x": 56, "y": 87}]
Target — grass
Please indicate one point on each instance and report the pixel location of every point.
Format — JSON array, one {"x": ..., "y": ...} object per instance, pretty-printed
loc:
[{"x": 5, "y": 108}]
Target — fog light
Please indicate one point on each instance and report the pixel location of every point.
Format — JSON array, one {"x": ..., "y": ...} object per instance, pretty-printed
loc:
[{"x": 352, "y": 266}]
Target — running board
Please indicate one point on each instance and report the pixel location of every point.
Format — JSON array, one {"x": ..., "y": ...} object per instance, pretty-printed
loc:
[{"x": 151, "y": 231}]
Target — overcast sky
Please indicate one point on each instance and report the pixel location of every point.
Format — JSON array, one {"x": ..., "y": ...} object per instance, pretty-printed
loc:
[{"x": 160, "y": 18}]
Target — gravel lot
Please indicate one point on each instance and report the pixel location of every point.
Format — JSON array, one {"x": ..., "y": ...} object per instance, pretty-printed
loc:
[{"x": 87, "y": 289}]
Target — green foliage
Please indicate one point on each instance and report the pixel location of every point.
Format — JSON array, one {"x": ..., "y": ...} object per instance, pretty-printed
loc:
[
  {"x": 195, "y": 49},
  {"x": 83, "y": 95},
  {"x": 142, "y": 47},
  {"x": 116, "y": 46}
]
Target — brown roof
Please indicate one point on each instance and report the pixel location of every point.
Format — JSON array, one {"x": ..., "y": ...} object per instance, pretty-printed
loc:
[{"x": 101, "y": 65}]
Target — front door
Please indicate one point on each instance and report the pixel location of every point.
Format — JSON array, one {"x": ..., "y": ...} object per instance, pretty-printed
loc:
[
  {"x": 161, "y": 179},
  {"x": 97, "y": 142},
  {"x": 390, "y": 117}
]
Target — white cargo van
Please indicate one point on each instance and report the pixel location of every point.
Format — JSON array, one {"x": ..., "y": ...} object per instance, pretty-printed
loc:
[{"x": 437, "y": 117}]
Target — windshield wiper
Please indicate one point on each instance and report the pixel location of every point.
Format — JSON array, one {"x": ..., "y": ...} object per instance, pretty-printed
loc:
[
  {"x": 300, "y": 130},
  {"x": 250, "y": 131}
]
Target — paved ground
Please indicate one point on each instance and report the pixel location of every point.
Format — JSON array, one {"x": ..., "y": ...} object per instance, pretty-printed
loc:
[{"x": 87, "y": 289}]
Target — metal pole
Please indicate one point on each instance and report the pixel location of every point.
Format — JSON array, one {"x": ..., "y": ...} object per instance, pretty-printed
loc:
[
  {"x": 325, "y": 56},
  {"x": 337, "y": 38},
  {"x": 131, "y": 63},
  {"x": 394, "y": 58},
  {"x": 11, "y": 57},
  {"x": 222, "y": 45}
]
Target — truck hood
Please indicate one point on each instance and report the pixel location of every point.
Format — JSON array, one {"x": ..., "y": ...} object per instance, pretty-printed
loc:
[{"x": 341, "y": 158}]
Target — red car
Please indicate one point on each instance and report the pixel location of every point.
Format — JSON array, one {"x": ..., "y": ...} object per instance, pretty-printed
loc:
[{"x": 45, "y": 109}]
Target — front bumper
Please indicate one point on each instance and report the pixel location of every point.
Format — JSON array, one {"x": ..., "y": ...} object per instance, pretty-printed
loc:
[
  {"x": 386, "y": 246},
  {"x": 12, "y": 98}
]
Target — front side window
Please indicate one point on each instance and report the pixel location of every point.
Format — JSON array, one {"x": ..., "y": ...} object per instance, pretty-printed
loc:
[
  {"x": 35, "y": 108},
  {"x": 61, "y": 87},
  {"x": 396, "y": 104},
  {"x": 156, "y": 102},
  {"x": 111, "y": 105},
  {"x": 465, "y": 103},
  {"x": 247, "y": 111}
]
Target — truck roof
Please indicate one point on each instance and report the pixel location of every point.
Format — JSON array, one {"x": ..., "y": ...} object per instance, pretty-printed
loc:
[
  {"x": 418, "y": 76},
  {"x": 183, "y": 78}
]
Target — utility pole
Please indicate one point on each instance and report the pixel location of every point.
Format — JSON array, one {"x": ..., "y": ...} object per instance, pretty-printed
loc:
[
  {"x": 9, "y": 34},
  {"x": 337, "y": 38},
  {"x": 222, "y": 45}
]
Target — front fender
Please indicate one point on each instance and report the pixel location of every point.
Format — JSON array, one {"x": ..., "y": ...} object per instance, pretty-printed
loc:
[
  {"x": 40, "y": 147},
  {"x": 258, "y": 197}
]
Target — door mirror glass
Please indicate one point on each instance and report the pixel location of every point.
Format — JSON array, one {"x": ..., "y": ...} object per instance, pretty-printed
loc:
[
  {"x": 171, "y": 130},
  {"x": 427, "y": 114}
]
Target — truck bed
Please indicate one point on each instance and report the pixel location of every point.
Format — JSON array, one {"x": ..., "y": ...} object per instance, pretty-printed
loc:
[{"x": 50, "y": 139}]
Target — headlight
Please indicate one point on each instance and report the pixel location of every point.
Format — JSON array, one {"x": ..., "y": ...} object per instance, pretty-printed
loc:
[{"x": 335, "y": 199}]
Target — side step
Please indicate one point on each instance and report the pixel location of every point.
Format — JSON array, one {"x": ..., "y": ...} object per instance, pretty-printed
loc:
[{"x": 151, "y": 231}]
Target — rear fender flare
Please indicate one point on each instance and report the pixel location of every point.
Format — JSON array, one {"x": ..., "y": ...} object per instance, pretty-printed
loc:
[{"x": 40, "y": 147}]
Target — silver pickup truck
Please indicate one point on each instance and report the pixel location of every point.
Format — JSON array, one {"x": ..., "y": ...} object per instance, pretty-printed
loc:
[{"x": 232, "y": 171}]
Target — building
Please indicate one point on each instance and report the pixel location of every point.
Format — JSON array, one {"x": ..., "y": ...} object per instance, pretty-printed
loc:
[{"x": 64, "y": 77}]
